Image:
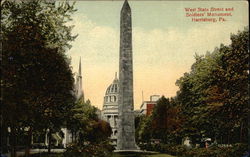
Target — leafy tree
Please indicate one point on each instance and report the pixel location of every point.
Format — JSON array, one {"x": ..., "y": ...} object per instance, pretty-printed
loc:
[
  {"x": 85, "y": 124},
  {"x": 159, "y": 118},
  {"x": 90, "y": 134},
  {"x": 99, "y": 132},
  {"x": 165, "y": 123},
  {"x": 144, "y": 130},
  {"x": 214, "y": 94},
  {"x": 37, "y": 80},
  {"x": 233, "y": 86}
]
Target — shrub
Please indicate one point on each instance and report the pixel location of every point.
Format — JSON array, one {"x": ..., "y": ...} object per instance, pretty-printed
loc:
[
  {"x": 237, "y": 150},
  {"x": 103, "y": 149},
  {"x": 45, "y": 154},
  {"x": 146, "y": 146}
]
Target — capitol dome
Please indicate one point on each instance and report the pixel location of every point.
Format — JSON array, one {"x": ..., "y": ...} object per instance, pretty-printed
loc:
[
  {"x": 111, "y": 92},
  {"x": 110, "y": 107}
]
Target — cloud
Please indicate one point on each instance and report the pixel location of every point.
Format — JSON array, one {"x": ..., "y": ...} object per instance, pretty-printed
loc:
[
  {"x": 95, "y": 43},
  {"x": 161, "y": 56},
  {"x": 163, "y": 46},
  {"x": 98, "y": 47}
]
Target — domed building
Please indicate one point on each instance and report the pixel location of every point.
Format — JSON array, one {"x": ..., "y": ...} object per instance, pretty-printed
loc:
[{"x": 110, "y": 108}]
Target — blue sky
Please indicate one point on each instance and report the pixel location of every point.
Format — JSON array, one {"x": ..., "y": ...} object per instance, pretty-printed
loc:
[{"x": 164, "y": 42}]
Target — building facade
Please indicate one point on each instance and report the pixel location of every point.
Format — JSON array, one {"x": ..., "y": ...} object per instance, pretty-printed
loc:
[
  {"x": 148, "y": 106},
  {"x": 110, "y": 108}
]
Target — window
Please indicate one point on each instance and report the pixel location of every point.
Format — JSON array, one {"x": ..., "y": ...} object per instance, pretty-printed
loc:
[
  {"x": 112, "y": 89},
  {"x": 115, "y": 87},
  {"x": 115, "y": 117},
  {"x": 109, "y": 118},
  {"x": 114, "y": 98}
]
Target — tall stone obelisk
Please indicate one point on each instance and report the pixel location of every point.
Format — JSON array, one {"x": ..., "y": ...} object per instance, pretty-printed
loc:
[{"x": 126, "y": 127}]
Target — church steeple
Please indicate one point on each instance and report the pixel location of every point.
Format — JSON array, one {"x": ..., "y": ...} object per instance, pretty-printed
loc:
[
  {"x": 79, "y": 91},
  {"x": 80, "y": 68}
]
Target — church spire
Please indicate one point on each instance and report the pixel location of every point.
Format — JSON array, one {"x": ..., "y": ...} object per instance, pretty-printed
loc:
[
  {"x": 79, "y": 90},
  {"x": 80, "y": 68}
]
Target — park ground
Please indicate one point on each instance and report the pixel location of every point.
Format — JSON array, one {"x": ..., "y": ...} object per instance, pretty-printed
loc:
[
  {"x": 140, "y": 155},
  {"x": 58, "y": 153}
]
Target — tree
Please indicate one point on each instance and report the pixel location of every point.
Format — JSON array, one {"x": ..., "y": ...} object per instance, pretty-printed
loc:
[
  {"x": 159, "y": 118},
  {"x": 85, "y": 124},
  {"x": 144, "y": 130},
  {"x": 36, "y": 75},
  {"x": 232, "y": 84},
  {"x": 164, "y": 123},
  {"x": 214, "y": 94}
]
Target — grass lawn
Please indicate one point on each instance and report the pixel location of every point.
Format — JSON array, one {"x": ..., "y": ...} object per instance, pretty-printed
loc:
[
  {"x": 159, "y": 155},
  {"x": 113, "y": 155},
  {"x": 142, "y": 155}
]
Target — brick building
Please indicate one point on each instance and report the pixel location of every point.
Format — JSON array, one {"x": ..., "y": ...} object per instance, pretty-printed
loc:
[{"x": 148, "y": 106}]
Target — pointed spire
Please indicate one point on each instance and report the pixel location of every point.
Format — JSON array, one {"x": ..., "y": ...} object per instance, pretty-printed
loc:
[
  {"x": 79, "y": 90},
  {"x": 80, "y": 69},
  {"x": 116, "y": 79},
  {"x": 125, "y": 6}
]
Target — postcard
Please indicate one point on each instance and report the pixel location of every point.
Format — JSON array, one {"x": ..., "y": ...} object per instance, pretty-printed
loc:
[{"x": 125, "y": 77}]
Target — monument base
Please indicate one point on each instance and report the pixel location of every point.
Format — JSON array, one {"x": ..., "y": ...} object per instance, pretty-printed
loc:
[{"x": 134, "y": 151}]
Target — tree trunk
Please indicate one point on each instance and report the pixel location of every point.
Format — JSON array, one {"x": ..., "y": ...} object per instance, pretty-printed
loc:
[
  {"x": 4, "y": 135},
  {"x": 241, "y": 131},
  {"x": 75, "y": 134},
  {"x": 49, "y": 141},
  {"x": 221, "y": 139},
  {"x": 28, "y": 146},
  {"x": 72, "y": 138},
  {"x": 228, "y": 136},
  {"x": 13, "y": 142},
  {"x": 248, "y": 126}
]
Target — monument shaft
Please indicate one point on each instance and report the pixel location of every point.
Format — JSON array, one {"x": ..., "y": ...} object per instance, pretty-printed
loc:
[{"x": 126, "y": 128}]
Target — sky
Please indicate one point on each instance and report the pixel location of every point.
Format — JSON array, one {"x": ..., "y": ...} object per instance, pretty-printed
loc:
[{"x": 164, "y": 41}]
